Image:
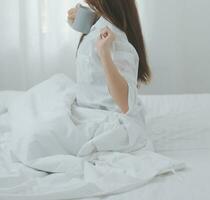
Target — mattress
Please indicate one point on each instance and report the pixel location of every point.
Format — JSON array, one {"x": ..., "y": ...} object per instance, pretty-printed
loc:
[{"x": 179, "y": 128}]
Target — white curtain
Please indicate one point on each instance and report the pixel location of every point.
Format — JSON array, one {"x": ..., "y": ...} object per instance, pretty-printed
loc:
[{"x": 35, "y": 42}]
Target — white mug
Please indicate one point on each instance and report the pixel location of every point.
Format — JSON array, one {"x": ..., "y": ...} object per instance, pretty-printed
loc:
[{"x": 84, "y": 19}]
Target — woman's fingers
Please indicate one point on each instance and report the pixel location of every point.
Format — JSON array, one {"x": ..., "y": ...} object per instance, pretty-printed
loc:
[
  {"x": 105, "y": 32},
  {"x": 72, "y": 16},
  {"x": 72, "y": 12},
  {"x": 103, "y": 35}
]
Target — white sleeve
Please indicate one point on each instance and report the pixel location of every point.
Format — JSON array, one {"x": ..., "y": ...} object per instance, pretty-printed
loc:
[{"x": 126, "y": 60}]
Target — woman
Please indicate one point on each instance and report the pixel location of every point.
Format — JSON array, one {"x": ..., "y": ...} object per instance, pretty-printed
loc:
[
  {"x": 111, "y": 59},
  {"x": 119, "y": 26},
  {"x": 101, "y": 112}
]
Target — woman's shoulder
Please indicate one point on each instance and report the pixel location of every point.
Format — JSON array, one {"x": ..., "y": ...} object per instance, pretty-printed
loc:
[
  {"x": 102, "y": 22},
  {"x": 121, "y": 42}
]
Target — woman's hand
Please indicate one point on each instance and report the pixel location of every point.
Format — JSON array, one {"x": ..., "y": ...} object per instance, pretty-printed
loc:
[
  {"x": 72, "y": 14},
  {"x": 104, "y": 42}
]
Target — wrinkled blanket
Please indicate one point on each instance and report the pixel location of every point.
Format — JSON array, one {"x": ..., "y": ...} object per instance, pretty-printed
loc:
[{"x": 50, "y": 149}]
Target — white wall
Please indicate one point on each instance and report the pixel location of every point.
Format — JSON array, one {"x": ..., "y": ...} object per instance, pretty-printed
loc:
[{"x": 177, "y": 34}]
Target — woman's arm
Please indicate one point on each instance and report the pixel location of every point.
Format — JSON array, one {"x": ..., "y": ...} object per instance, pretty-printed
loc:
[{"x": 117, "y": 85}]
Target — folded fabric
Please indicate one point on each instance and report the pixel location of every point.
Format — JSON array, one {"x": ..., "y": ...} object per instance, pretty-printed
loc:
[{"x": 82, "y": 152}]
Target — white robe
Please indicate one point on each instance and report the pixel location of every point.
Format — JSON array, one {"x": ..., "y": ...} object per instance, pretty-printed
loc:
[
  {"x": 93, "y": 90},
  {"x": 93, "y": 99},
  {"x": 77, "y": 131}
]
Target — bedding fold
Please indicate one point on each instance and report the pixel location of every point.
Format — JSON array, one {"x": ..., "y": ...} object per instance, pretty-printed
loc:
[{"x": 70, "y": 156}]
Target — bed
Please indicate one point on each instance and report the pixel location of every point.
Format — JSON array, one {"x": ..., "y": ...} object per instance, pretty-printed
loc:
[{"x": 180, "y": 129}]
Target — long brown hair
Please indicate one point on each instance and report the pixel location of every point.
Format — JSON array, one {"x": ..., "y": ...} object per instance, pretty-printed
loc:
[{"x": 124, "y": 15}]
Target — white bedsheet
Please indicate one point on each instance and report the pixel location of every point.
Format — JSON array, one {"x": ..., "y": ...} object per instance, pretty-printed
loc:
[{"x": 182, "y": 135}]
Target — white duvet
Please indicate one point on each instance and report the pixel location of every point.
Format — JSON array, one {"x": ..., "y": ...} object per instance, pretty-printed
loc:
[{"x": 46, "y": 154}]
